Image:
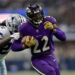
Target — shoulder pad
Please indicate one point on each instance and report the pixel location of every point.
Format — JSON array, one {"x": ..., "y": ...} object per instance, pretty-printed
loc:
[
  {"x": 53, "y": 18},
  {"x": 47, "y": 16},
  {"x": 50, "y": 19},
  {"x": 4, "y": 31},
  {"x": 22, "y": 26}
]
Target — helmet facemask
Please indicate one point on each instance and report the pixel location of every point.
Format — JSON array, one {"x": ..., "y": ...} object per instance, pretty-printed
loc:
[{"x": 37, "y": 18}]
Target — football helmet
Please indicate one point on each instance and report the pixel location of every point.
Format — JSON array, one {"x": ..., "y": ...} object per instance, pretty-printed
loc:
[
  {"x": 13, "y": 21},
  {"x": 34, "y": 14}
]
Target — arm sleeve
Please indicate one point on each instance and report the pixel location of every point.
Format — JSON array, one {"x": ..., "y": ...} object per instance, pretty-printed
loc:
[
  {"x": 60, "y": 34},
  {"x": 16, "y": 45}
]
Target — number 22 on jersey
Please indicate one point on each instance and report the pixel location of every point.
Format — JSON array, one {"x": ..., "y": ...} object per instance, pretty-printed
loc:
[{"x": 44, "y": 47}]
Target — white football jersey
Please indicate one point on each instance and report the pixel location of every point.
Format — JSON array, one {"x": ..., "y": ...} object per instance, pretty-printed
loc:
[{"x": 4, "y": 32}]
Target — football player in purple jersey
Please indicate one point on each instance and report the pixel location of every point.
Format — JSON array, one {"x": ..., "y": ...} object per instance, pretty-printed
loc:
[{"x": 42, "y": 28}]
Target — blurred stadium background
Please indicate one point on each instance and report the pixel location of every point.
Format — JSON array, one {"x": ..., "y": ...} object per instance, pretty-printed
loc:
[{"x": 64, "y": 12}]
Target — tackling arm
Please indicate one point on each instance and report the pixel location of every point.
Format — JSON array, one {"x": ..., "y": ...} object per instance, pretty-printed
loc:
[
  {"x": 4, "y": 36},
  {"x": 4, "y": 41}
]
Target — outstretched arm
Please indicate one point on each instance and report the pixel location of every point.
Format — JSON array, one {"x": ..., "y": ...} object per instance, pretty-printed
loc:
[
  {"x": 4, "y": 41},
  {"x": 59, "y": 34}
]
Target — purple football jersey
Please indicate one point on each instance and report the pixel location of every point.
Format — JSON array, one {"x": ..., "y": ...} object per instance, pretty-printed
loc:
[{"x": 44, "y": 43}]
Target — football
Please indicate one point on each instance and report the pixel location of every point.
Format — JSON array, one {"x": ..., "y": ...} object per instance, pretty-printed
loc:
[
  {"x": 28, "y": 41},
  {"x": 25, "y": 39}
]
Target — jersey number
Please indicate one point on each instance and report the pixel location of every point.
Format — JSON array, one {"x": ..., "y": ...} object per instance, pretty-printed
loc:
[{"x": 44, "y": 48}]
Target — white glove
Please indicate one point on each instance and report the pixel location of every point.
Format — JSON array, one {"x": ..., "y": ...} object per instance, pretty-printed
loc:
[{"x": 15, "y": 36}]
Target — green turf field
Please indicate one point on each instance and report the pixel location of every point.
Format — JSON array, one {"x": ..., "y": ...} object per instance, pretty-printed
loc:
[{"x": 34, "y": 73}]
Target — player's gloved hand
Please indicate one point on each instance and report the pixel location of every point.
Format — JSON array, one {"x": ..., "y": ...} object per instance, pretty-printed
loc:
[
  {"x": 28, "y": 41},
  {"x": 15, "y": 36},
  {"x": 48, "y": 25}
]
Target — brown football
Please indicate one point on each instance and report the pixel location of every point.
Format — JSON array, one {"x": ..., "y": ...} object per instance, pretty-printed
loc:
[{"x": 25, "y": 38}]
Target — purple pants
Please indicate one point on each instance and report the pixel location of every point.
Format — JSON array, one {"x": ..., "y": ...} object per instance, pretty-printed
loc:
[{"x": 46, "y": 65}]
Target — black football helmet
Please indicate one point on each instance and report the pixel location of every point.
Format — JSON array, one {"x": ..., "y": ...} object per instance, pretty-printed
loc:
[{"x": 35, "y": 14}]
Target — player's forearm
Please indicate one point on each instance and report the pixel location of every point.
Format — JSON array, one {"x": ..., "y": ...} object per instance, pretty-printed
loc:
[
  {"x": 4, "y": 42},
  {"x": 59, "y": 34},
  {"x": 17, "y": 46}
]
